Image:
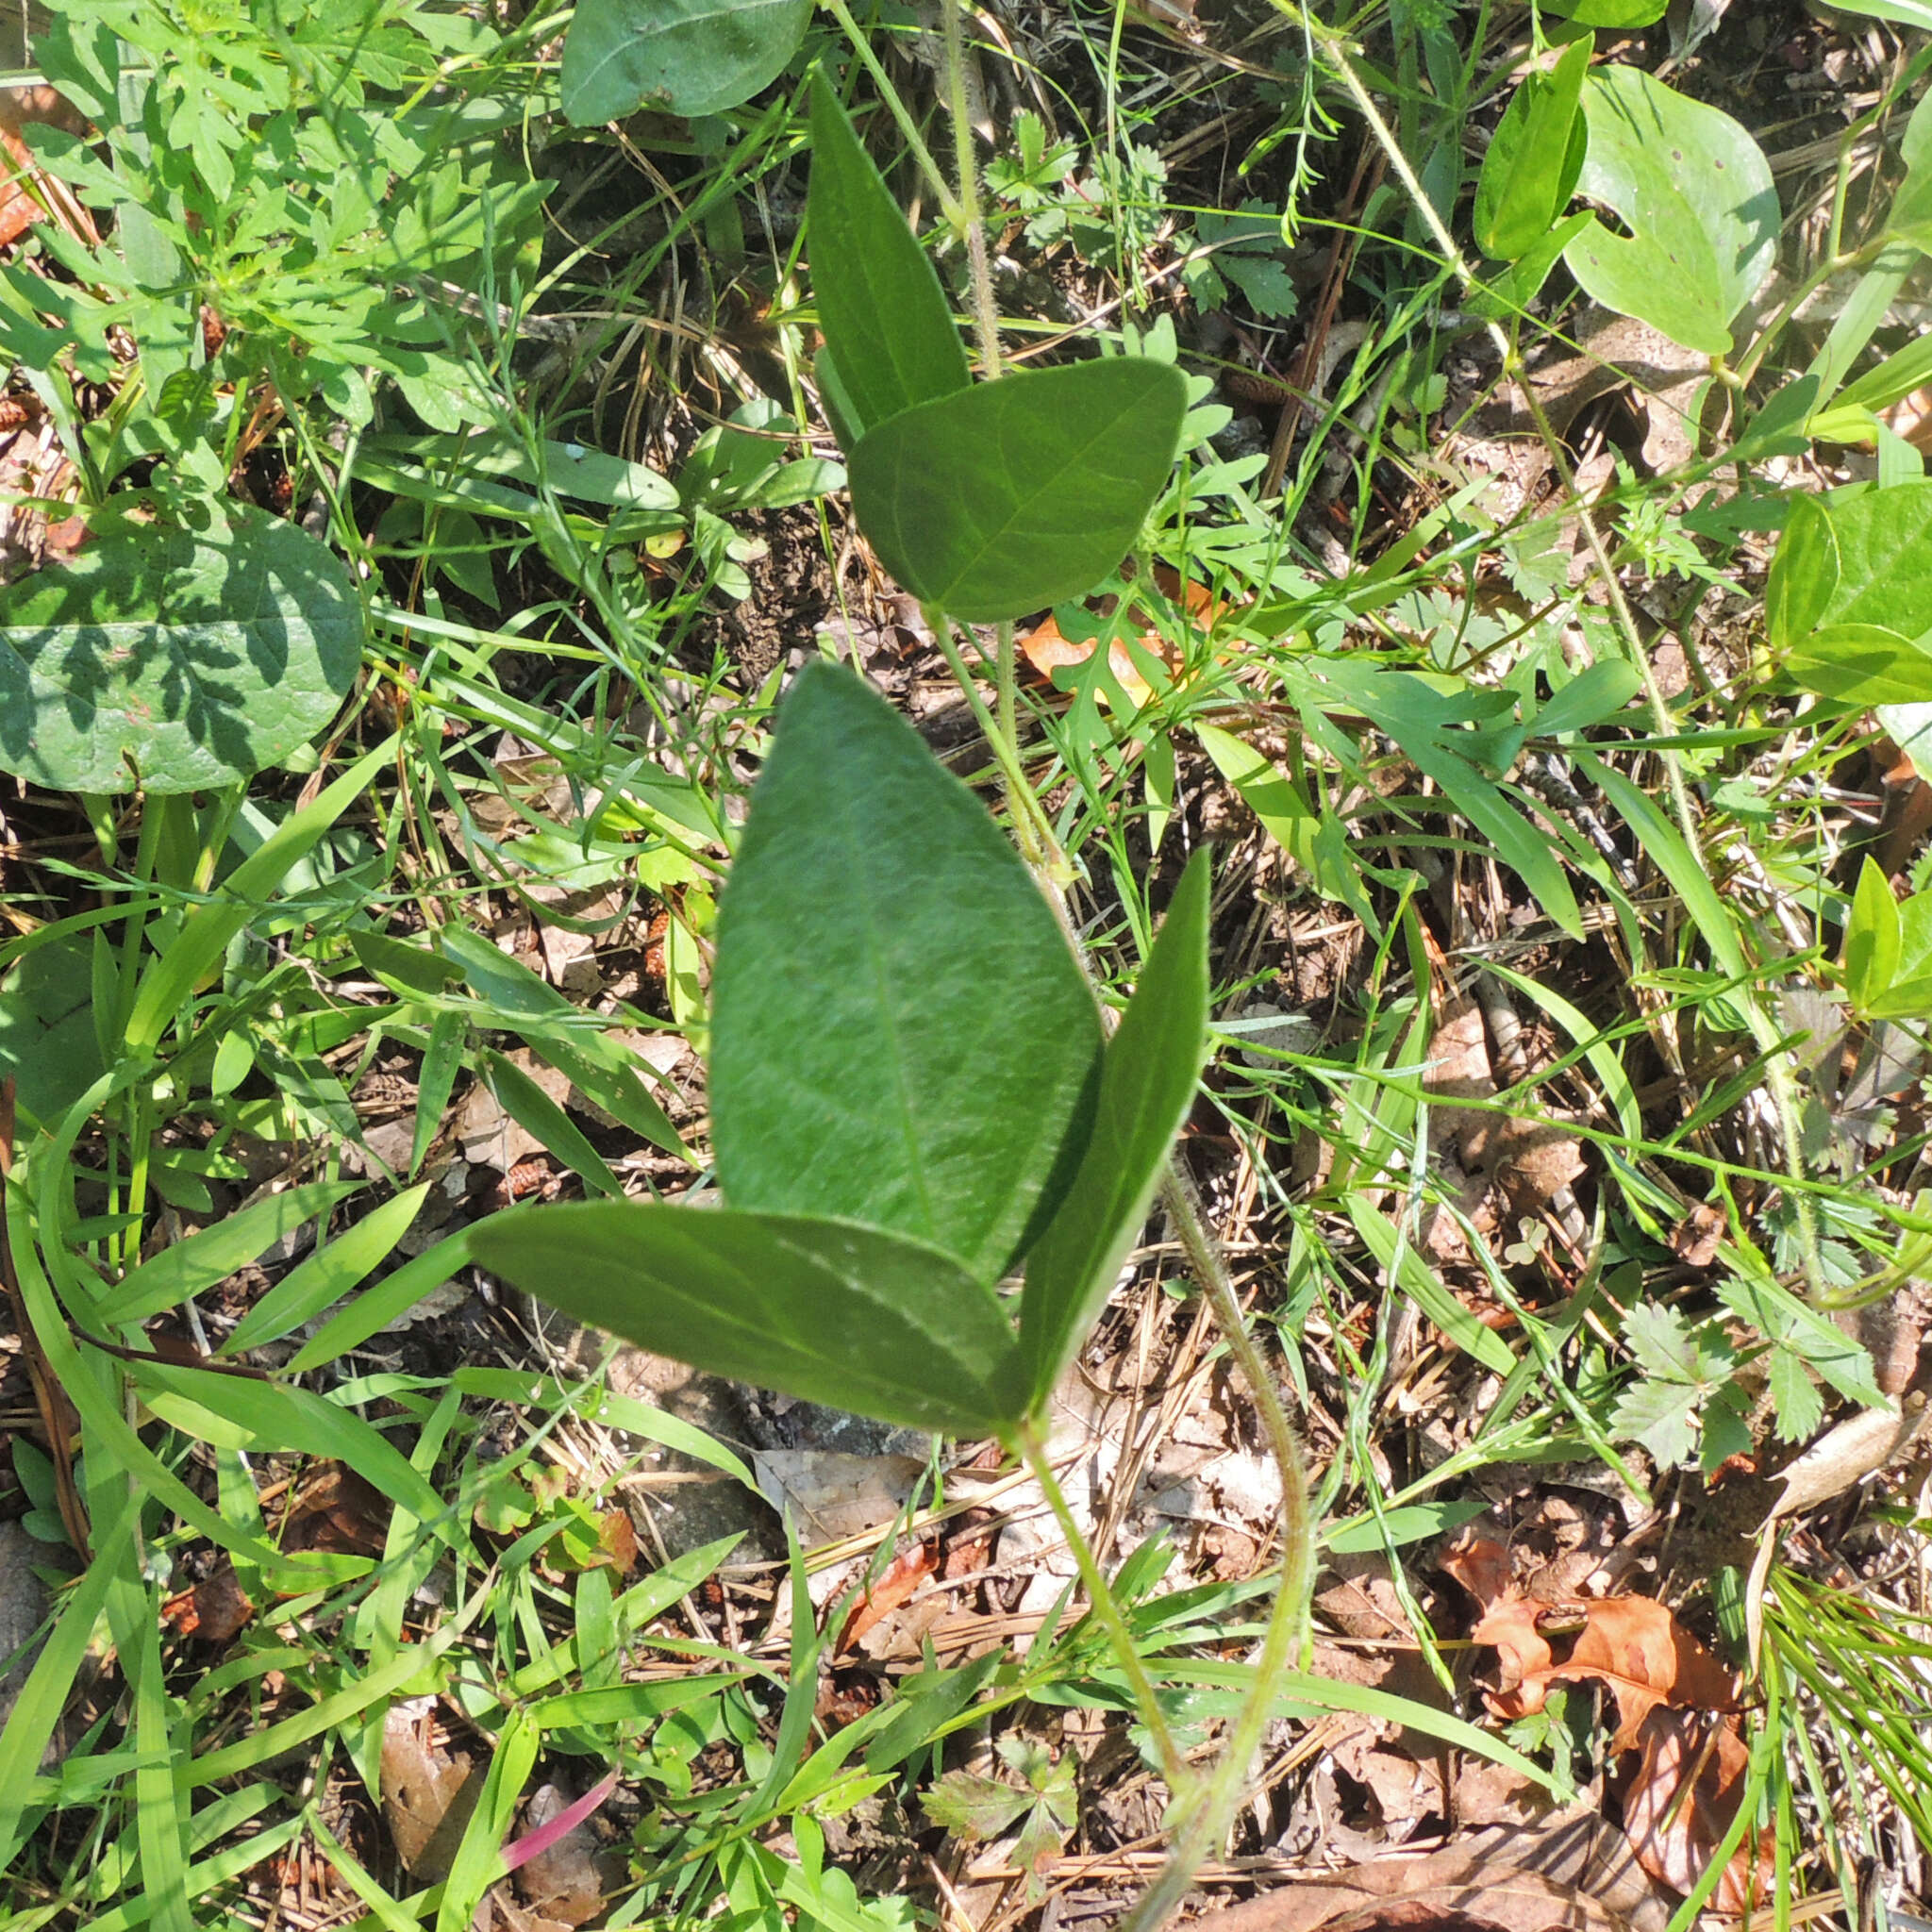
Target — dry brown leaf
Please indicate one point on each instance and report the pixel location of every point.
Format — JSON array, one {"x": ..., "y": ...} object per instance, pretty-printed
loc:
[
  {"x": 1476, "y": 1882},
  {"x": 1632, "y": 1644},
  {"x": 896, "y": 1583},
  {"x": 427, "y": 1794},
  {"x": 567, "y": 1881},
  {"x": 1675, "y": 1830},
  {"x": 215, "y": 1610},
  {"x": 1047, "y": 648}
]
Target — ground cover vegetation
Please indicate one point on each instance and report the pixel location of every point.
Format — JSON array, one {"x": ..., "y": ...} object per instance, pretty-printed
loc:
[{"x": 965, "y": 967}]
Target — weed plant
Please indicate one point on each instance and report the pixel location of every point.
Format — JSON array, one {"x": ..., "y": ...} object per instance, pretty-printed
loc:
[{"x": 438, "y": 398}]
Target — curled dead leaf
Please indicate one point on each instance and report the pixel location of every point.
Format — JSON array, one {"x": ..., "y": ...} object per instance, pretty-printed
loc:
[{"x": 1681, "y": 1798}]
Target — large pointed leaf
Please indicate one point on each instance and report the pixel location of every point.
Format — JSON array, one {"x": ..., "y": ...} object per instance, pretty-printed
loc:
[
  {"x": 686, "y": 57},
  {"x": 1020, "y": 493},
  {"x": 901, "y": 1034},
  {"x": 825, "y": 1310},
  {"x": 888, "y": 329},
  {"x": 191, "y": 659},
  {"x": 1146, "y": 1084},
  {"x": 1530, "y": 169},
  {"x": 1697, "y": 194}
]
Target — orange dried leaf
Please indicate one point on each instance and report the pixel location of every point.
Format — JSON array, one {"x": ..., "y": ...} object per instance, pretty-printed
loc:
[
  {"x": 1681, "y": 1800},
  {"x": 1630, "y": 1644},
  {"x": 902, "y": 1576}
]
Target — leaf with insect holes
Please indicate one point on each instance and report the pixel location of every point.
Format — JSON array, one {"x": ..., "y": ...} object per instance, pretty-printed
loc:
[
  {"x": 902, "y": 1035},
  {"x": 833, "y": 1312},
  {"x": 193, "y": 658},
  {"x": 1147, "y": 1080},
  {"x": 1697, "y": 194},
  {"x": 684, "y": 56},
  {"x": 1015, "y": 494},
  {"x": 889, "y": 330}
]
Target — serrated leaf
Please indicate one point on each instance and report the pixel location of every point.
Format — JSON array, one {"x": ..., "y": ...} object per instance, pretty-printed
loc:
[
  {"x": 972, "y": 1805},
  {"x": 1662, "y": 1415},
  {"x": 1147, "y": 1081},
  {"x": 684, "y": 57},
  {"x": 902, "y": 1035},
  {"x": 887, "y": 324},
  {"x": 1794, "y": 1394},
  {"x": 1778, "y": 1314},
  {"x": 828, "y": 1310},
  {"x": 1697, "y": 194},
  {"x": 191, "y": 659},
  {"x": 1015, "y": 494}
]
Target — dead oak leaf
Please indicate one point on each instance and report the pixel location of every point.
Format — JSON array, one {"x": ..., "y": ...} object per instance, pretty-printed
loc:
[
  {"x": 1681, "y": 1800},
  {"x": 1631, "y": 1644}
]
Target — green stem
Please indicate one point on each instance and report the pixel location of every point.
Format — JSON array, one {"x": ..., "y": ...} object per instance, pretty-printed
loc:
[
  {"x": 1205, "y": 1823},
  {"x": 896, "y": 107},
  {"x": 1032, "y": 829},
  {"x": 985, "y": 315},
  {"x": 1031, "y": 1442}
]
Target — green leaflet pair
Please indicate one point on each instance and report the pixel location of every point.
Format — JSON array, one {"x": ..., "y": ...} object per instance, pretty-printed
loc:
[
  {"x": 984, "y": 500},
  {"x": 911, "y": 1094}
]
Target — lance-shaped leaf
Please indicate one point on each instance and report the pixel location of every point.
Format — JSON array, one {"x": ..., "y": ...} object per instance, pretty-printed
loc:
[
  {"x": 828, "y": 1310},
  {"x": 900, "y": 1032},
  {"x": 1146, "y": 1084},
  {"x": 1015, "y": 494},
  {"x": 1530, "y": 169},
  {"x": 190, "y": 658},
  {"x": 889, "y": 332}
]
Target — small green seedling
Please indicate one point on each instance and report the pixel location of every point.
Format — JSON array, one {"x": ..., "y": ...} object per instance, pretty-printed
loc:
[{"x": 912, "y": 1095}]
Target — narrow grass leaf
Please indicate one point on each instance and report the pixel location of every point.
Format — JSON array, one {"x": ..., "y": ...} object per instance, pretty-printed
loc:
[
  {"x": 388, "y": 1301},
  {"x": 635, "y": 1418},
  {"x": 1147, "y": 1082},
  {"x": 885, "y": 318},
  {"x": 443, "y": 1057},
  {"x": 535, "y": 1112},
  {"x": 1666, "y": 851},
  {"x": 479, "y": 1854},
  {"x": 157, "y": 1805},
  {"x": 179, "y": 1272},
  {"x": 43, "y": 1695},
  {"x": 1418, "y": 1280},
  {"x": 169, "y": 985},
  {"x": 1016, "y": 494},
  {"x": 115, "y": 1443},
  {"x": 902, "y": 1036},
  {"x": 829, "y": 1310},
  {"x": 293, "y": 1419},
  {"x": 264, "y": 1746}
]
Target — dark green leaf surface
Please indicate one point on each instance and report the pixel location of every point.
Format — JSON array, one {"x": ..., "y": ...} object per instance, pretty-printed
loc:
[
  {"x": 1018, "y": 494},
  {"x": 684, "y": 57},
  {"x": 823, "y": 1310},
  {"x": 901, "y": 1034},
  {"x": 885, "y": 318},
  {"x": 194, "y": 658},
  {"x": 1147, "y": 1082},
  {"x": 1697, "y": 194}
]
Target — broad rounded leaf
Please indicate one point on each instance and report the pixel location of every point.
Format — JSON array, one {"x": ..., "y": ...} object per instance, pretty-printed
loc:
[
  {"x": 1849, "y": 600},
  {"x": 1146, "y": 1085},
  {"x": 1018, "y": 494},
  {"x": 1697, "y": 194},
  {"x": 190, "y": 658},
  {"x": 684, "y": 57},
  {"x": 48, "y": 1046},
  {"x": 889, "y": 334},
  {"x": 900, "y": 1032},
  {"x": 828, "y": 1310}
]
